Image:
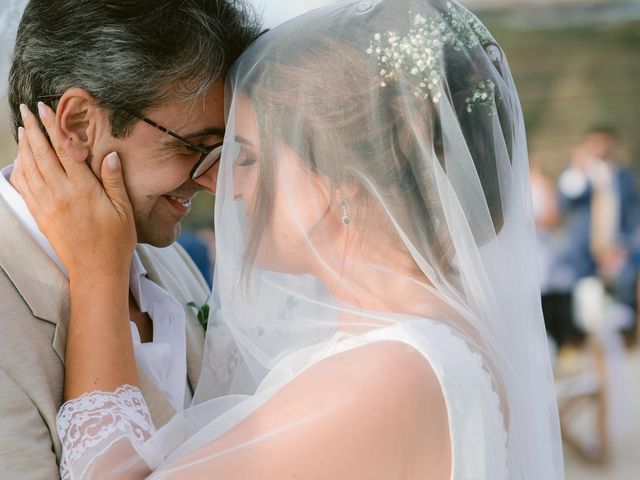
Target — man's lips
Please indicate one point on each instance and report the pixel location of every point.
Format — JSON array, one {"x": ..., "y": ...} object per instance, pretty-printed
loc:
[
  {"x": 181, "y": 204},
  {"x": 186, "y": 201}
]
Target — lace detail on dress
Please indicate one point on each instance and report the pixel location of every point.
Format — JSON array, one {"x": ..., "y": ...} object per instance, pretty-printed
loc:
[
  {"x": 476, "y": 419},
  {"x": 92, "y": 423}
]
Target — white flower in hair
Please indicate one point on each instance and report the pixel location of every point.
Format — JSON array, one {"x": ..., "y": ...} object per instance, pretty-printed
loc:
[
  {"x": 419, "y": 53},
  {"x": 482, "y": 95},
  {"x": 469, "y": 30}
]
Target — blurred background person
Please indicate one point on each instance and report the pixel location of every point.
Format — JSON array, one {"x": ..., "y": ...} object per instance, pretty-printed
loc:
[
  {"x": 557, "y": 276},
  {"x": 597, "y": 195},
  {"x": 598, "y": 198}
]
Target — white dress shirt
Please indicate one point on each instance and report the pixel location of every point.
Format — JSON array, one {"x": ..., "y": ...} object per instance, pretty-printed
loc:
[{"x": 164, "y": 359}]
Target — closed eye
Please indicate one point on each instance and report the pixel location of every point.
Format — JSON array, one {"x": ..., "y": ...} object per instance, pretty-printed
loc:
[
  {"x": 189, "y": 152},
  {"x": 246, "y": 162},
  {"x": 245, "y": 158}
]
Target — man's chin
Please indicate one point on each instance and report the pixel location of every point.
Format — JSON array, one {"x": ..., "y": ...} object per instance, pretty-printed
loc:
[{"x": 160, "y": 239}]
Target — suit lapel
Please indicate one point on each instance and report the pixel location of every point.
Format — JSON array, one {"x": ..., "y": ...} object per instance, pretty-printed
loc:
[
  {"x": 195, "y": 343},
  {"x": 194, "y": 332},
  {"x": 37, "y": 278},
  {"x": 161, "y": 409},
  {"x": 45, "y": 289}
]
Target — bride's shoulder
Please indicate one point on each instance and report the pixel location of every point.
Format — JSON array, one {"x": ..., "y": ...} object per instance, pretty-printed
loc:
[
  {"x": 388, "y": 380},
  {"x": 395, "y": 360},
  {"x": 386, "y": 365},
  {"x": 380, "y": 396}
]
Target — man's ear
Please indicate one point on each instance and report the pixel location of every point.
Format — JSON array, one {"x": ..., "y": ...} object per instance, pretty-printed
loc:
[{"x": 76, "y": 119}]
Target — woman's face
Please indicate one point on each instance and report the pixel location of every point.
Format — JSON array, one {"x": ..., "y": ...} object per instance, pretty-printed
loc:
[{"x": 301, "y": 219}]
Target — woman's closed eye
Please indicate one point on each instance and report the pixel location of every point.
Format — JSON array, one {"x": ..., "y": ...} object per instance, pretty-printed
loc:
[{"x": 245, "y": 159}]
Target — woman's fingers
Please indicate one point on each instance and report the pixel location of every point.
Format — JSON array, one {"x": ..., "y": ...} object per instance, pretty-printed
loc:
[
  {"x": 39, "y": 157},
  {"x": 27, "y": 180},
  {"x": 49, "y": 154},
  {"x": 27, "y": 168},
  {"x": 113, "y": 184},
  {"x": 19, "y": 182},
  {"x": 17, "y": 176},
  {"x": 72, "y": 168}
]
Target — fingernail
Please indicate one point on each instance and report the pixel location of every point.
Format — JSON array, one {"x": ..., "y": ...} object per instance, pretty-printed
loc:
[
  {"x": 42, "y": 110},
  {"x": 20, "y": 133},
  {"x": 24, "y": 111},
  {"x": 113, "y": 161}
]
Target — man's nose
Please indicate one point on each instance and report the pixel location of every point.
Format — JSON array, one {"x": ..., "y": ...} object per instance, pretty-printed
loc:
[{"x": 209, "y": 179}]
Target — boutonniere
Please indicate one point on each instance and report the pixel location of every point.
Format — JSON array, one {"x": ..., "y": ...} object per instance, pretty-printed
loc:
[{"x": 202, "y": 312}]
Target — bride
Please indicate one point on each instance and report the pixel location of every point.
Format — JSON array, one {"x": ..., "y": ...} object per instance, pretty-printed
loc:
[{"x": 376, "y": 310}]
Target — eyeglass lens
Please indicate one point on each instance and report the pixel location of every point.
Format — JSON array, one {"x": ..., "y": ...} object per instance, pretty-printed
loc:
[{"x": 209, "y": 161}]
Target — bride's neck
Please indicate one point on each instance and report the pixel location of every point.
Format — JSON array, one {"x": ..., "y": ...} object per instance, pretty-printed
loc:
[{"x": 376, "y": 276}]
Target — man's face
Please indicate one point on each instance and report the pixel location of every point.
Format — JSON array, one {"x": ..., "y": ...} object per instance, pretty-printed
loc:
[
  {"x": 157, "y": 166},
  {"x": 600, "y": 145}
]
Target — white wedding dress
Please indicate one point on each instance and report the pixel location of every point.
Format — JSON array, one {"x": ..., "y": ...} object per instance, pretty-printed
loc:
[{"x": 92, "y": 424}]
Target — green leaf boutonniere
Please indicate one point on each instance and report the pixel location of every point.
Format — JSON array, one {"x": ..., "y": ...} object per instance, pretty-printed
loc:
[{"x": 202, "y": 312}]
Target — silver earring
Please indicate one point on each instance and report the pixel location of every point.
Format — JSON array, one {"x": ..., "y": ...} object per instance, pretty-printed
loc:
[{"x": 346, "y": 219}]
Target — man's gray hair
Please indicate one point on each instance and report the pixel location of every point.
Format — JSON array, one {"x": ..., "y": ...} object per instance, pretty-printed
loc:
[{"x": 130, "y": 55}]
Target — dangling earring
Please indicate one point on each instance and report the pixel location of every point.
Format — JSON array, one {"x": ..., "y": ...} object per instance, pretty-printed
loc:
[{"x": 346, "y": 219}]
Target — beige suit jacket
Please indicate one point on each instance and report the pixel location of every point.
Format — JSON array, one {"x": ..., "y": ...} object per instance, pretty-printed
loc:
[{"x": 34, "y": 315}]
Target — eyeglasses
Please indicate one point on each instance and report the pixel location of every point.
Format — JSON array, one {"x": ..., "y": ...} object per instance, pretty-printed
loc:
[{"x": 209, "y": 154}]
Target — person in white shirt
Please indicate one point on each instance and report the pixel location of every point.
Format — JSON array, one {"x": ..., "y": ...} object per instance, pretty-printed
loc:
[{"x": 146, "y": 79}]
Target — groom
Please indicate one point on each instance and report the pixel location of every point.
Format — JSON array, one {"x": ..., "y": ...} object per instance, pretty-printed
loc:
[{"x": 145, "y": 79}]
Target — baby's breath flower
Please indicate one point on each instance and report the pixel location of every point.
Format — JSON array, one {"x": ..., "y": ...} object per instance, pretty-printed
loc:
[
  {"x": 481, "y": 95},
  {"x": 420, "y": 51}
]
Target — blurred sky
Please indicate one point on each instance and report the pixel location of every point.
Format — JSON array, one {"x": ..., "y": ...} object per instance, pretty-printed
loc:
[{"x": 278, "y": 11}]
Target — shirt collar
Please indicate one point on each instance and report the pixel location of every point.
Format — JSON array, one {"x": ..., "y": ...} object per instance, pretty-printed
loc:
[{"x": 136, "y": 275}]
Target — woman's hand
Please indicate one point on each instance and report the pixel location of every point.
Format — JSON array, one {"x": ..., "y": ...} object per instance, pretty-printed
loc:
[
  {"x": 91, "y": 228},
  {"x": 90, "y": 225}
]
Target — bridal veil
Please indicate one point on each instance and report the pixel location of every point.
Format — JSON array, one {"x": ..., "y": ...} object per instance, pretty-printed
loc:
[
  {"x": 368, "y": 140},
  {"x": 374, "y": 174}
]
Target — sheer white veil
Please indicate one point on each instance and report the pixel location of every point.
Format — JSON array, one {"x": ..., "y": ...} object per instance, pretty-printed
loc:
[
  {"x": 10, "y": 15},
  {"x": 374, "y": 176},
  {"x": 373, "y": 143}
]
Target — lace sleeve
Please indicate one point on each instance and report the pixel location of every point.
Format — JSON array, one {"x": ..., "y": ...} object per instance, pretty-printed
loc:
[{"x": 101, "y": 432}]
